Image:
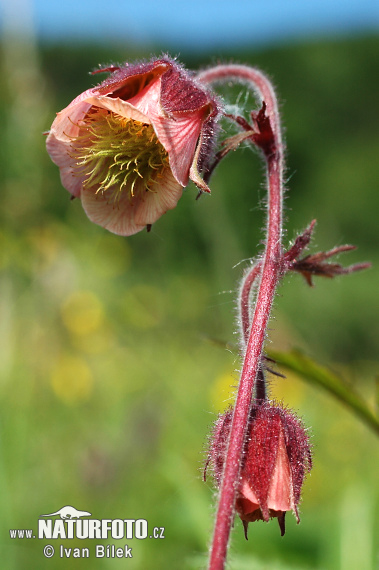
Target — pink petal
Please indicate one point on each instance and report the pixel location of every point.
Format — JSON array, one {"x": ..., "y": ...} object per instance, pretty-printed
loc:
[
  {"x": 179, "y": 136},
  {"x": 247, "y": 493},
  {"x": 164, "y": 196},
  {"x": 179, "y": 139},
  {"x": 116, "y": 217},
  {"x": 120, "y": 107},
  {"x": 65, "y": 127},
  {"x": 280, "y": 496},
  {"x": 147, "y": 100},
  {"x": 128, "y": 216},
  {"x": 65, "y": 124},
  {"x": 59, "y": 153},
  {"x": 58, "y": 143}
]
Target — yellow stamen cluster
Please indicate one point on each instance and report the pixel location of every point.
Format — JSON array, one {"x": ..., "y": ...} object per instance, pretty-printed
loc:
[{"x": 115, "y": 153}]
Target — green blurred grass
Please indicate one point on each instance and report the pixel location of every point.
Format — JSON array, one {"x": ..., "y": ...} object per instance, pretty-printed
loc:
[{"x": 108, "y": 385}]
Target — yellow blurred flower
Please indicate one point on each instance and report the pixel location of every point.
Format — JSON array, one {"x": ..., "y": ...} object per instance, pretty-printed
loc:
[
  {"x": 223, "y": 390},
  {"x": 71, "y": 379},
  {"x": 82, "y": 313}
]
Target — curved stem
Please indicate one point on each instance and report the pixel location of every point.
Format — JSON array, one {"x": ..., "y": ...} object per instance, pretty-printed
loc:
[
  {"x": 244, "y": 304},
  {"x": 269, "y": 279}
]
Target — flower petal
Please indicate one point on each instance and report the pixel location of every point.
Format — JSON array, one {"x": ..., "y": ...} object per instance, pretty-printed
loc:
[
  {"x": 66, "y": 127},
  {"x": 164, "y": 196},
  {"x": 59, "y": 153},
  {"x": 178, "y": 135},
  {"x": 58, "y": 143},
  {"x": 120, "y": 107},
  {"x": 147, "y": 100},
  {"x": 280, "y": 495},
  {"x": 247, "y": 501},
  {"x": 179, "y": 138},
  {"x": 127, "y": 216}
]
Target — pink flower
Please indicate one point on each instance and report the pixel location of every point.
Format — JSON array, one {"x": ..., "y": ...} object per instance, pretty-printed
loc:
[
  {"x": 276, "y": 458},
  {"x": 129, "y": 146}
]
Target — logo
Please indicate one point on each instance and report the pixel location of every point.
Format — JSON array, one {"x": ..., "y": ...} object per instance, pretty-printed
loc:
[
  {"x": 69, "y": 513},
  {"x": 69, "y": 522}
]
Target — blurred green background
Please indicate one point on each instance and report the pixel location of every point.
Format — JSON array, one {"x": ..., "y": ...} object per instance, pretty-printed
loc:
[{"x": 109, "y": 379}]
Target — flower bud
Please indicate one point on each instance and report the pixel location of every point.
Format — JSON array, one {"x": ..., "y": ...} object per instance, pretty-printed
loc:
[
  {"x": 129, "y": 146},
  {"x": 275, "y": 459}
]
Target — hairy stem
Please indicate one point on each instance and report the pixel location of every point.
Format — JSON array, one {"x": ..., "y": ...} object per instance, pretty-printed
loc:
[
  {"x": 244, "y": 305},
  {"x": 270, "y": 274}
]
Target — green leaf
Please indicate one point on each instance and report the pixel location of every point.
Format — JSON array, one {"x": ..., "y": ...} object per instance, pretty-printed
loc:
[{"x": 318, "y": 375}]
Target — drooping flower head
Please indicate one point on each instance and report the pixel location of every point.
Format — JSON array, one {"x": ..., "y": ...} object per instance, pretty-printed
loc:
[
  {"x": 129, "y": 146},
  {"x": 275, "y": 460}
]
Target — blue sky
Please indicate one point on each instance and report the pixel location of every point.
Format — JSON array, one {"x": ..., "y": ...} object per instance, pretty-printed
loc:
[{"x": 194, "y": 24}]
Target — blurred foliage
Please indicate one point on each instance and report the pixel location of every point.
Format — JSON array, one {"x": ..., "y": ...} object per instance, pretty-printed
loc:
[
  {"x": 107, "y": 386},
  {"x": 309, "y": 370}
]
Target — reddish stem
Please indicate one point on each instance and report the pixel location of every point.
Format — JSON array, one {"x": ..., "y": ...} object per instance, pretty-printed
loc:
[
  {"x": 247, "y": 284},
  {"x": 271, "y": 270}
]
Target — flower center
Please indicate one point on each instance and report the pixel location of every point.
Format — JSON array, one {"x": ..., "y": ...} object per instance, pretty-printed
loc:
[{"x": 115, "y": 153}]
